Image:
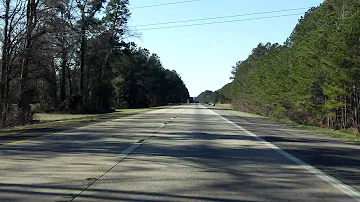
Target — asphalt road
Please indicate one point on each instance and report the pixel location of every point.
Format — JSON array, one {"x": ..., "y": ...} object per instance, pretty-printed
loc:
[{"x": 185, "y": 153}]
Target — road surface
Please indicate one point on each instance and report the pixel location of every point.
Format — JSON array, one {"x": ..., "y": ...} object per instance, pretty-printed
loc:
[{"x": 185, "y": 153}]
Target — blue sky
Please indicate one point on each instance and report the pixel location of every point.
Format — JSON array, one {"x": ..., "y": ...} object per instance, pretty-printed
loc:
[{"x": 204, "y": 55}]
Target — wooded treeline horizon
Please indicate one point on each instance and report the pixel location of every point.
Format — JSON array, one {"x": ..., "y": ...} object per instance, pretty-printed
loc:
[
  {"x": 313, "y": 78},
  {"x": 71, "y": 56}
]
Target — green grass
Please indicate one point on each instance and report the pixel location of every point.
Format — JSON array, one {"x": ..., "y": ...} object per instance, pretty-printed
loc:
[
  {"x": 229, "y": 107},
  {"x": 43, "y": 117},
  {"x": 224, "y": 106},
  {"x": 62, "y": 120},
  {"x": 346, "y": 135}
]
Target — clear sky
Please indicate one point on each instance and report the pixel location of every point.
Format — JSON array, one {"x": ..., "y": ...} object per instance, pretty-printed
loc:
[{"x": 204, "y": 55}]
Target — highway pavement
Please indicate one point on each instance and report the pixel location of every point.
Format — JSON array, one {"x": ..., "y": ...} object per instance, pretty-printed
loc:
[{"x": 184, "y": 153}]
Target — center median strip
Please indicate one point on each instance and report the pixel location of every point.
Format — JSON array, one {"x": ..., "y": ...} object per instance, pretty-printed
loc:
[{"x": 21, "y": 136}]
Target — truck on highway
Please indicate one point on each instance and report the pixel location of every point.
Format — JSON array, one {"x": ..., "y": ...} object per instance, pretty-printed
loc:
[{"x": 196, "y": 100}]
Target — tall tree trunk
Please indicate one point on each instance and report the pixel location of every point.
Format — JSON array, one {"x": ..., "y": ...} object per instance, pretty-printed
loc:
[
  {"x": 86, "y": 90},
  {"x": 63, "y": 75},
  {"x": 70, "y": 83},
  {"x": 63, "y": 63},
  {"x": 82, "y": 54},
  {"x": 4, "y": 66},
  {"x": 356, "y": 108},
  {"x": 54, "y": 99},
  {"x": 24, "y": 109},
  {"x": 100, "y": 103}
]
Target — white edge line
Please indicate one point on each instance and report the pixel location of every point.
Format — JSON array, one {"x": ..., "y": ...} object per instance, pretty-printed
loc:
[{"x": 329, "y": 179}]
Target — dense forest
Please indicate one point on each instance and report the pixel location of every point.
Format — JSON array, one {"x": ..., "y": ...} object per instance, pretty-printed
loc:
[
  {"x": 209, "y": 96},
  {"x": 71, "y": 56},
  {"x": 313, "y": 78}
]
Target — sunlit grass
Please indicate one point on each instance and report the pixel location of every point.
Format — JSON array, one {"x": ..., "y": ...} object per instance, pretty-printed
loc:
[
  {"x": 43, "y": 117},
  {"x": 346, "y": 135},
  {"x": 224, "y": 106}
]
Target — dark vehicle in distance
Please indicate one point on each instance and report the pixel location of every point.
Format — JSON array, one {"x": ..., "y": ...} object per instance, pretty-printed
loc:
[{"x": 190, "y": 100}]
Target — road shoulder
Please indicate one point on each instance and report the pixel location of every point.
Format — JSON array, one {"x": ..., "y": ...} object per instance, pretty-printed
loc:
[{"x": 334, "y": 157}]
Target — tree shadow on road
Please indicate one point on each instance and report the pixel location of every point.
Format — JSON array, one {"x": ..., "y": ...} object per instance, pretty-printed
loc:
[{"x": 252, "y": 169}]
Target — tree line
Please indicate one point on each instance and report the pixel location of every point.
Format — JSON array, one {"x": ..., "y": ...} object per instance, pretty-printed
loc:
[
  {"x": 213, "y": 97},
  {"x": 313, "y": 78},
  {"x": 71, "y": 56}
]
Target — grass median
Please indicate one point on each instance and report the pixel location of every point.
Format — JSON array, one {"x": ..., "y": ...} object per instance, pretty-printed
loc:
[
  {"x": 346, "y": 135},
  {"x": 55, "y": 121}
]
